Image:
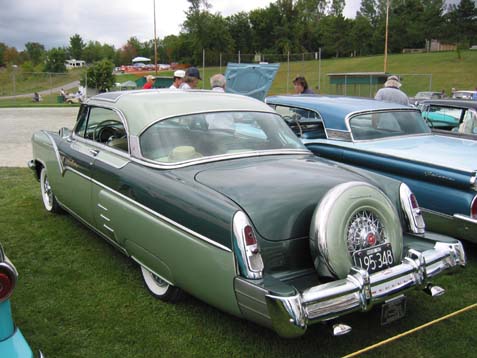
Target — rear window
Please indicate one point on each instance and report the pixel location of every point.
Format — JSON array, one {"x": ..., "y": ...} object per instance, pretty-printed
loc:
[
  {"x": 195, "y": 136},
  {"x": 377, "y": 125}
]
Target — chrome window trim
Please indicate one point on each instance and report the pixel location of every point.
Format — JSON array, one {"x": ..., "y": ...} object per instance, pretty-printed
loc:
[
  {"x": 202, "y": 112},
  {"x": 350, "y": 116},
  {"x": 154, "y": 213},
  {"x": 162, "y": 165},
  {"x": 123, "y": 120}
]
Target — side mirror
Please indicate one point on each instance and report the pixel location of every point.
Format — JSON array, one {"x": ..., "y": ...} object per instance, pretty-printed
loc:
[{"x": 64, "y": 133}]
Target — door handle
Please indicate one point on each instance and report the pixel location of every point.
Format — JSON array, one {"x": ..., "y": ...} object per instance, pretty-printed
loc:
[{"x": 94, "y": 152}]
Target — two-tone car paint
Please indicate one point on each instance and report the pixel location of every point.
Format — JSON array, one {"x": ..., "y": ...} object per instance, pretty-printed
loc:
[
  {"x": 440, "y": 170},
  {"x": 178, "y": 220}
]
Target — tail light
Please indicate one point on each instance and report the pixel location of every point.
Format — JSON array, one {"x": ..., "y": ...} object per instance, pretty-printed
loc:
[
  {"x": 246, "y": 246},
  {"x": 473, "y": 208},
  {"x": 8, "y": 279},
  {"x": 411, "y": 210}
]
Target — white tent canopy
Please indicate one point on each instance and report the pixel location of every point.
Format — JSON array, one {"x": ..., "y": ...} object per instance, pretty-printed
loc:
[{"x": 140, "y": 59}]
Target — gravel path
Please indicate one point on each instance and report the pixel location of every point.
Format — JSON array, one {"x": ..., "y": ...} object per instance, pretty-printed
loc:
[{"x": 18, "y": 124}]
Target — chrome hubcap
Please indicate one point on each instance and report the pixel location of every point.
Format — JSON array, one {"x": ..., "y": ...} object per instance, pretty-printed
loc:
[{"x": 365, "y": 230}]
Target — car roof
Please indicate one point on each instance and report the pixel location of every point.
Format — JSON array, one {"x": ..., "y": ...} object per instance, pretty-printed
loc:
[
  {"x": 141, "y": 108},
  {"x": 334, "y": 109},
  {"x": 452, "y": 102}
]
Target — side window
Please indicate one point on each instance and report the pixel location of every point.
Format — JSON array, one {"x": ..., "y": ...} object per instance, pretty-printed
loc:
[
  {"x": 104, "y": 126},
  {"x": 443, "y": 116},
  {"x": 305, "y": 123}
]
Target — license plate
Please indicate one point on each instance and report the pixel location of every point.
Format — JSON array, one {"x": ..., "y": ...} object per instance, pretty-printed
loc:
[
  {"x": 374, "y": 258},
  {"x": 393, "y": 310}
]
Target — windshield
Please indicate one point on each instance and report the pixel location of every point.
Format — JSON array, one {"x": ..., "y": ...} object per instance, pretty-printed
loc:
[
  {"x": 194, "y": 136},
  {"x": 387, "y": 124}
]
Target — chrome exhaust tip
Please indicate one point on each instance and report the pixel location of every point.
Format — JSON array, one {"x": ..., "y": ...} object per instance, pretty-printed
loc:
[
  {"x": 340, "y": 329},
  {"x": 434, "y": 291}
]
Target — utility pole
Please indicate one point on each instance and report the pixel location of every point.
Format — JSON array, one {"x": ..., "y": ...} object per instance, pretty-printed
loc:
[
  {"x": 386, "y": 39},
  {"x": 155, "y": 37}
]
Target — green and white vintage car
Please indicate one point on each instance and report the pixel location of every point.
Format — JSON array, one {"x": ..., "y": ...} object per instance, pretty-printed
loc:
[{"x": 212, "y": 194}]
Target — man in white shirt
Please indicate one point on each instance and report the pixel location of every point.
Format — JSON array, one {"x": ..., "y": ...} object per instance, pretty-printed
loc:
[
  {"x": 178, "y": 78},
  {"x": 191, "y": 78}
]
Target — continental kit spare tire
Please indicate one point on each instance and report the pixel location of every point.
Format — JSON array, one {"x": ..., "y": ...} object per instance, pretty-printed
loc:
[{"x": 350, "y": 217}]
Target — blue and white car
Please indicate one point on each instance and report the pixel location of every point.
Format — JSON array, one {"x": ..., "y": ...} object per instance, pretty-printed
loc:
[
  {"x": 393, "y": 140},
  {"x": 12, "y": 342}
]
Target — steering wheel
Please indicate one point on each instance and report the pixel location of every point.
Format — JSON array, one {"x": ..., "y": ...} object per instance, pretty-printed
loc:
[
  {"x": 104, "y": 130},
  {"x": 294, "y": 124}
]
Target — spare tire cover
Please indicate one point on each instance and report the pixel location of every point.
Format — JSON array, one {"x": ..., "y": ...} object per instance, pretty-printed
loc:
[{"x": 347, "y": 215}]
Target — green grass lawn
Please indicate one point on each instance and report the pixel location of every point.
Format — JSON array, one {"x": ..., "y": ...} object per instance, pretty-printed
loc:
[{"x": 79, "y": 297}]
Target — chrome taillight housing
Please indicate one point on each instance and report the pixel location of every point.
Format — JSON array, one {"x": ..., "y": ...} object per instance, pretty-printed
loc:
[
  {"x": 411, "y": 210},
  {"x": 473, "y": 208},
  {"x": 246, "y": 247}
]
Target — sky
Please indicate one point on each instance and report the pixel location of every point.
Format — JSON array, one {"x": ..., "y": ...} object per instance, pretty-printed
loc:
[{"x": 53, "y": 22}]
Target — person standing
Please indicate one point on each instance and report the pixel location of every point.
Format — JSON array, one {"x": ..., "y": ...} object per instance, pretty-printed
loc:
[
  {"x": 178, "y": 78},
  {"x": 301, "y": 86},
  {"x": 149, "y": 82},
  {"x": 217, "y": 82},
  {"x": 191, "y": 78},
  {"x": 391, "y": 92}
]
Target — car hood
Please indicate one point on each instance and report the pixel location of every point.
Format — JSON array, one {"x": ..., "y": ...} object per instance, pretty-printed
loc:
[
  {"x": 443, "y": 151},
  {"x": 278, "y": 193},
  {"x": 250, "y": 79}
]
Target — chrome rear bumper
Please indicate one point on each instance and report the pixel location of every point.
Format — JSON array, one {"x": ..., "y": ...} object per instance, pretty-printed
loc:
[{"x": 291, "y": 315}]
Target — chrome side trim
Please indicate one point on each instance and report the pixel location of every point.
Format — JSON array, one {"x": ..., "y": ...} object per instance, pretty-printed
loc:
[
  {"x": 465, "y": 218},
  {"x": 159, "y": 165},
  {"x": 87, "y": 224},
  {"x": 56, "y": 150},
  {"x": 359, "y": 291},
  {"x": 108, "y": 228},
  {"x": 102, "y": 207},
  {"x": 104, "y": 217},
  {"x": 149, "y": 269},
  {"x": 160, "y": 216}
]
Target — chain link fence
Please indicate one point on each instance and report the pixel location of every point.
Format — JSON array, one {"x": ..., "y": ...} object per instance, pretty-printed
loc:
[
  {"x": 15, "y": 82},
  {"x": 319, "y": 79}
]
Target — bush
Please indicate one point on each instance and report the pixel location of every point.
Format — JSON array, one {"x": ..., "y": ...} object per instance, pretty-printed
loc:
[{"x": 100, "y": 76}]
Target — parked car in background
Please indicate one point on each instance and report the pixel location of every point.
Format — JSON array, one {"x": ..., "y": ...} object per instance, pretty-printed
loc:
[
  {"x": 212, "y": 194},
  {"x": 421, "y": 96},
  {"x": 12, "y": 342},
  {"x": 393, "y": 140},
  {"x": 464, "y": 95},
  {"x": 451, "y": 117}
]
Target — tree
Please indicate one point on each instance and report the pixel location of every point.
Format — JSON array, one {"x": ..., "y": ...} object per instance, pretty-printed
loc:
[
  {"x": 238, "y": 26},
  {"x": 336, "y": 7},
  {"x": 462, "y": 21},
  {"x": 35, "y": 52},
  {"x": 368, "y": 10},
  {"x": 100, "y": 76},
  {"x": 55, "y": 60},
  {"x": 76, "y": 47}
]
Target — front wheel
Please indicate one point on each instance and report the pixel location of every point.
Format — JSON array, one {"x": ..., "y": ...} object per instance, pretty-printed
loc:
[
  {"x": 160, "y": 288},
  {"x": 48, "y": 198}
]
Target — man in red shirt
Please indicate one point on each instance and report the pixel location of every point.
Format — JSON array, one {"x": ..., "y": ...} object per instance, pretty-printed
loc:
[{"x": 149, "y": 82}]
